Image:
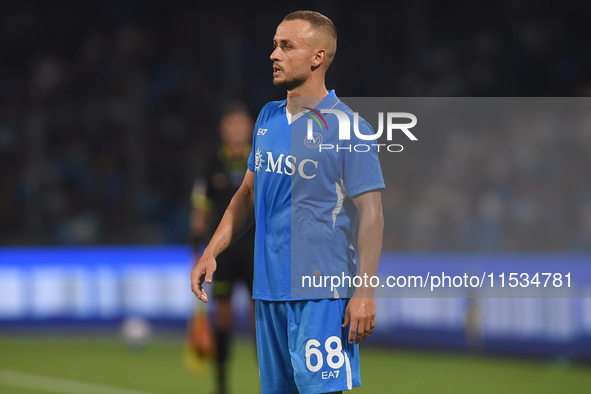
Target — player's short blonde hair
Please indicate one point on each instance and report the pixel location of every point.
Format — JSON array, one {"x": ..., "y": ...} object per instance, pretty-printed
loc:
[
  {"x": 320, "y": 23},
  {"x": 316, "y": 19}
]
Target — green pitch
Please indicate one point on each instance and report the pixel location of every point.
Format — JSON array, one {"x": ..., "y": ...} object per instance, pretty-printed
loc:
[{"x": 107, "y": 366}]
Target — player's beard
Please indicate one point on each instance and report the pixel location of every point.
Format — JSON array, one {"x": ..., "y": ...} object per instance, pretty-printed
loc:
[{"x": 290, "y": 84}]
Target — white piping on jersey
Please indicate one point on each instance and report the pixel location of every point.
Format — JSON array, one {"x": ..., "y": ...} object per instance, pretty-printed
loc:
[
  {"x": 348, "y": 367},
  {"x": 292, "y": 118},
  {"x": 338, "y": 101},
  {"x": 341, "y": 194}
]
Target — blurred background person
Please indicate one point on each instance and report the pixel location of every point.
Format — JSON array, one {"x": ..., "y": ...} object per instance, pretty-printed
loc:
[{"x": 211, "y": 195}]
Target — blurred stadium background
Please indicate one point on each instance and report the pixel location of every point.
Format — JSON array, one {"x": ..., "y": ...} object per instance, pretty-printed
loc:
[{"x": 108, "y": 111}]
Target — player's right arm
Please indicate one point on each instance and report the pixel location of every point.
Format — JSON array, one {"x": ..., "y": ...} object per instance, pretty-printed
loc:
[{"x": 238, "y": 217}]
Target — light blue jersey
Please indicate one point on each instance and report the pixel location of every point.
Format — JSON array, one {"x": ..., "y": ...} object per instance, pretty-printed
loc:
[{"x": 304, "y": 214}]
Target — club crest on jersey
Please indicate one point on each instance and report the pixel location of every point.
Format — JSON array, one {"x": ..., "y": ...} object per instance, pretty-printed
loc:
[
  {"x": 262, "y": 131},
  {"x": 315, "y": 141}
]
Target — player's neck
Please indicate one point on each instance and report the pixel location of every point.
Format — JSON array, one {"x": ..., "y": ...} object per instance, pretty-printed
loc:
[{"x": 311, "y": 90}]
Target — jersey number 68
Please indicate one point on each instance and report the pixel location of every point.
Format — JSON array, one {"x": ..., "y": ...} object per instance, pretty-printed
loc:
[{"x": 332, "y": 353}]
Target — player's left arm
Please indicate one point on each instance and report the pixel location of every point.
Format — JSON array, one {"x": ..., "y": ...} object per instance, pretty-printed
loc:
[{"x": 361, "y": 310}]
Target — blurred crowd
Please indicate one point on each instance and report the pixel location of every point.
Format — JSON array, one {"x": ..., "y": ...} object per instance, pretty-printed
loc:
[
  {"x": 521, "y": 182},
  {"x": 109, "y": 109}
]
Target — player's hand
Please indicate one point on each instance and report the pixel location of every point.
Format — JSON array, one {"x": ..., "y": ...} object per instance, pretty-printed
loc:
[
  {"x": 203, "y": 272},
  {"x": 361, "y": 315}
]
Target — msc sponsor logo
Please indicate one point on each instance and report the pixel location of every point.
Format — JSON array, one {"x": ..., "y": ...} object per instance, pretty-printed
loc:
[{"x": 287, "y": 165}]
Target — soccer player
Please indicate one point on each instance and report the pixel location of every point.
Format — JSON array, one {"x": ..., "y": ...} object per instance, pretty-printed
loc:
[
  {"x": 321, "y": 205},
  {"x": 222, "y": 179}
]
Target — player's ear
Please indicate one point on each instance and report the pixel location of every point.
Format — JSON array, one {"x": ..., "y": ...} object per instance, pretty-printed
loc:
[{"x": 318, "y": 58}]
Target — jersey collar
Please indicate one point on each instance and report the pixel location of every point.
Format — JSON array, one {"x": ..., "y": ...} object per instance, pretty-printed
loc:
[{"x": 331, "y": 94}]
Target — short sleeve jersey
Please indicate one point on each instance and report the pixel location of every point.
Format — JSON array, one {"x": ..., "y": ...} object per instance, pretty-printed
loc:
[{"x": 305, "y": 218}]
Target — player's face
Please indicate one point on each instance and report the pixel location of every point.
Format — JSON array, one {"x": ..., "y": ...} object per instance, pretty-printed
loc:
[{"x": 293, "y": 54}]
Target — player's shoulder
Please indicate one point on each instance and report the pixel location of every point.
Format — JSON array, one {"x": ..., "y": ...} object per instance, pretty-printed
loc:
[
  {"x": 364, "y": 126},
  {"x": 343, "y": 107},
  {"x": 270, "y": 110},
  {"x": 272, "y": 107}
]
